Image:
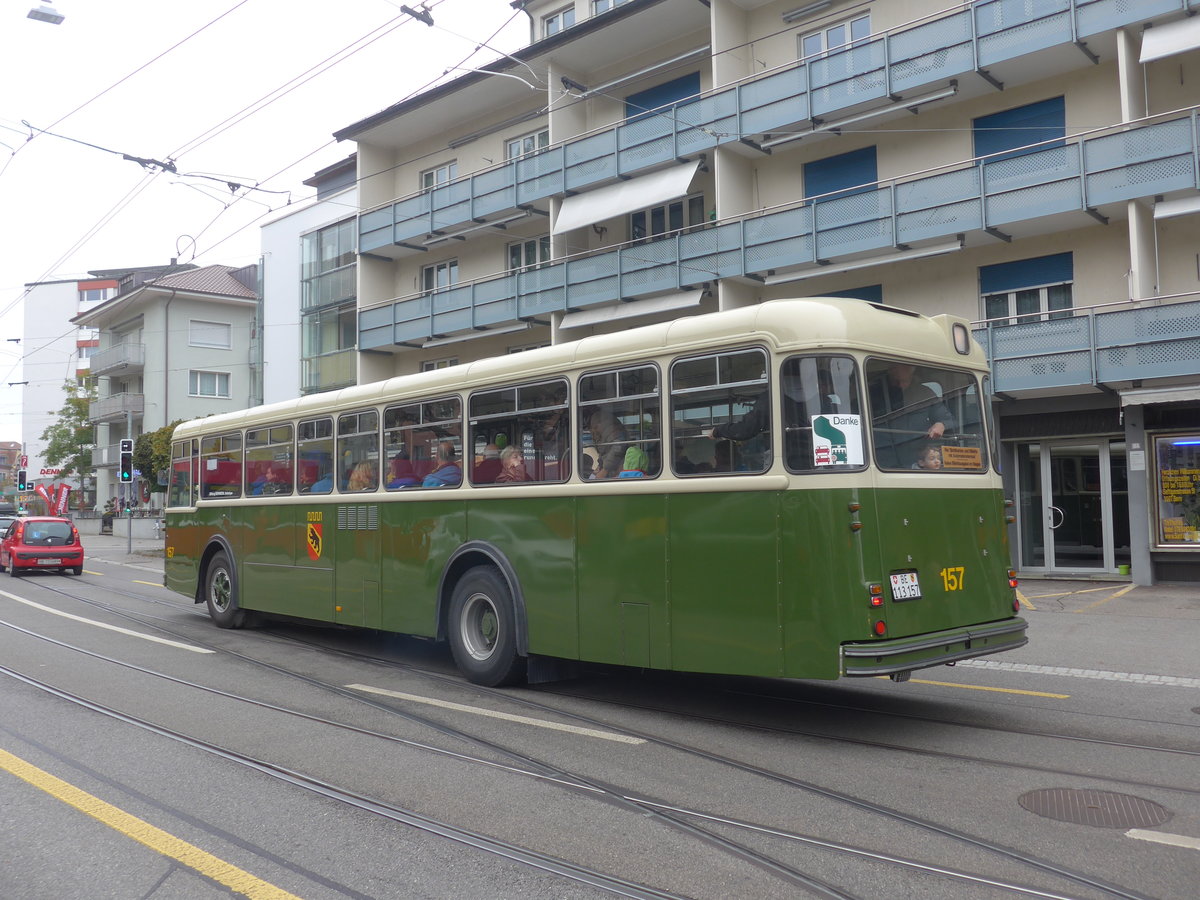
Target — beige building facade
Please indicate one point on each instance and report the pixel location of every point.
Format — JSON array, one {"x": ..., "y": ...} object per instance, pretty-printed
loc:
[{"x": 1033, "y": 166}]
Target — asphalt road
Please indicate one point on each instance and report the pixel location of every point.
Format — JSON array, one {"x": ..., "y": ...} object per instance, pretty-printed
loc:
[{"x": 145, "y": 753}]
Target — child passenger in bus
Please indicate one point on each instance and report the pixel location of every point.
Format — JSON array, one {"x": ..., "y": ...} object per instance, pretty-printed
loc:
[
  {"x": 636, "y": 464},
  {"x": 929, "y": 458}
]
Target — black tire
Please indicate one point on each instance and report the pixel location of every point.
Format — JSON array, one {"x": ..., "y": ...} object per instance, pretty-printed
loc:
[
  {"x": 77, "y": 570},
  {"x": 13, "y": 570},
  {"x": 220, "y": 593},
  {"x": 483, "y": 629}
]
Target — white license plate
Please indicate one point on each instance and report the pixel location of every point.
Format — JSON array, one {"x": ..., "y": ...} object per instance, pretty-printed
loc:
[
  {"x": 905, "y": 586},
  {"x": 49, "y": 562}
]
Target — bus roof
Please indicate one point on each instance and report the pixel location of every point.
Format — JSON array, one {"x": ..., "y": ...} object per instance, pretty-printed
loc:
[{"x": 784, "y": 325}]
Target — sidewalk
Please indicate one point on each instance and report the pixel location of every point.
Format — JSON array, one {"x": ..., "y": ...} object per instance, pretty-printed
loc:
[{"x": 144, "y": 552}]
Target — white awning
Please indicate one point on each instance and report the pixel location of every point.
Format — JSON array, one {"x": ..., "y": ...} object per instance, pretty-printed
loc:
[
  {"x": 1162, "y": 41},
  {"x": 1180, "y": 206},
  {"x": 1149, "y": 396},
  {"x": 611, "y": 312},
  {"x": 625, "y": 197}
]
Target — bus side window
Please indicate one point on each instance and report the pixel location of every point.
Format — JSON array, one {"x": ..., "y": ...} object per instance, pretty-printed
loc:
[
  {"x": 422, "y": 445},
  {"x": 269, "y": 461},
  {"x": 180, "y": 488},
  {"x": 530, "y": 427},
  {"x": 221, "y": 466},
  {"x": 314, "y": 456},
  {"x": 620, "y": 424},
  {"x": 358, "y": 451},
  {"x": 721, "y": 414}
]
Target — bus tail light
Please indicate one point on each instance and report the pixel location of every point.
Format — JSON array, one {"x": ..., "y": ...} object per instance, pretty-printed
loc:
[
  {"x": 880, "y": 628},
  {"x": 1016, "y": 605},
  {"x": 856, "y": 526},
  {"x": 1012, "y": 578},
  {"x": 876, "y": 594}
]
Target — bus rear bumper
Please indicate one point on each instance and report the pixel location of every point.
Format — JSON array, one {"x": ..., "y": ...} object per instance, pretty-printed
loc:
[{"x": 924, "y": 650}]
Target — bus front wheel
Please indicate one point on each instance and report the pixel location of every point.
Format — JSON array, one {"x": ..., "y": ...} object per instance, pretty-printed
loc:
[
  {"x": 220, "y": 593},
  {"x": 483, "y": 629}
]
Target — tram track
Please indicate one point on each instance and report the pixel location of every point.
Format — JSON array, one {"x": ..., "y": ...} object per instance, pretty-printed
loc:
[
  {"x": 485, "y": 842},
  {"x": 655, "y": 805}
]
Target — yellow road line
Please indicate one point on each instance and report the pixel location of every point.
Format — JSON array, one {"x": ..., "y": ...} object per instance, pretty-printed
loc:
[
  {"x": 90, "y": 572},
  {"x": 980, "y": 687},
  {"x": 237, "y": 880},
  {"x": 151, "y": 583},
  {"x": 1122, "y": 592},
  {"x": 1025, "y": 601}
]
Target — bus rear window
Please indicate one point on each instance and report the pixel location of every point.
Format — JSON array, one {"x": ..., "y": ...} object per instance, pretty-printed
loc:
[{"x": 925, "y": 418}]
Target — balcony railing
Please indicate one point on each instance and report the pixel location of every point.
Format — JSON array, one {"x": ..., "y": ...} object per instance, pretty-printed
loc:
[
  {"x": 122, "y": 356},
  {"x": 1157, "y": 338},
  {"x": 1110, "y": 165},
  {"x": 333, "y": 370},
  {"x": 117, "y": 406},
  {"x": 930, "y": 52}
]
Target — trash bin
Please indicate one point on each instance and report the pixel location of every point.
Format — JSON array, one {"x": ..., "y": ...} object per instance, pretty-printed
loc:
[{"x": 106, "y": 521}]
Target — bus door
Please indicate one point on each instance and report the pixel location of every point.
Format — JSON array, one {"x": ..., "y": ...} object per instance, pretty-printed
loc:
[{"x": 354, "y": 550}]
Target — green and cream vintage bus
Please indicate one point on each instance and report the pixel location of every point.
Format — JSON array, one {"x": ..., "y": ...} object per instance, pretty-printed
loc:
[{"x": 798, "y": 489}]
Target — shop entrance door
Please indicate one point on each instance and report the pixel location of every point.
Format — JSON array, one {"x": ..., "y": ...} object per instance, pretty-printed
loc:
[{"x": 1074, "y": 506}]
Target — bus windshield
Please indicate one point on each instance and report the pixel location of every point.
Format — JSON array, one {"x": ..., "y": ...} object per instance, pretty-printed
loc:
[{"x": 925, "y": 418}]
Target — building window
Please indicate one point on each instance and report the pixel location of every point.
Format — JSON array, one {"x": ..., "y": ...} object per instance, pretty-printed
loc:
[
  {"x": 1028, "y": 289},
  {"x": 1177, "y": 478},
  {"x": 842, "y": 175},
  {"x": 432, "y": 365},
  {"x": 599, "y": 6},
  {"x": 835, "y": 36},
  {"x": 443, "y": 174},
  {"x": 330, "y": 330},
  {"x": 659, "y": 220},
  {"x": 440, "y": 275},
  {"x": 208, "y": 384},
  {"x": 523, "y": 347},
  {"x": 1020, "y": 127},
  {"x": 671, "y": 93},
  {"x": 557, "y": 21},
  {"x": 528, "y": 254},
  {"x": 328, "y": 266},
  {"x": 92, "y": 296},
  {"x": 526, "y": 143},
  {"x": 210, "y": 334}
]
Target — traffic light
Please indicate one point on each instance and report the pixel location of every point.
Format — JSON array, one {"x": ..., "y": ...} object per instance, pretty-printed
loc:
[
  {"x": 126, "y": 461},
  {"x": 22, "y": 480}
]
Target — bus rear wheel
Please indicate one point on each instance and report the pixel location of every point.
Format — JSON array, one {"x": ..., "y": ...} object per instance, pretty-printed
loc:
[
  {"x": 220, "y": 593},
  {"x": 483, "y": 629}
]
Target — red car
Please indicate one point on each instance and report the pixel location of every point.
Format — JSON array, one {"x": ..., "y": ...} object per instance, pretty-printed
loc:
[{"x": 41, "y": 542}]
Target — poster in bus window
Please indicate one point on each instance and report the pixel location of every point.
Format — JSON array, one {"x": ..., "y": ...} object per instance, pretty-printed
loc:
[{"x": 837, "y": 440}]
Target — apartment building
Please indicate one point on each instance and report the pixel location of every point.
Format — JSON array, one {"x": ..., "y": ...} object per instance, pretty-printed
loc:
[
  {"x": 1031, "y": 165},
  {"x": 173, "y": 346},
  {"x": 310, "y": 314}
]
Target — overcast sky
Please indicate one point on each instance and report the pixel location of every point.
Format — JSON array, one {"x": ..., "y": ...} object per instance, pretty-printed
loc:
[{"x": 188, "y": 82}]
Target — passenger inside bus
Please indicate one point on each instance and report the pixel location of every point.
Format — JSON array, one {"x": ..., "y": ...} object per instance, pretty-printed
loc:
[
  {"x": 930, "y": 457},
  {"x": 636, "y": 463},
  {"x": 608, "y": 437},
  {"x": 402, "y": 473},
  {"x": 448, "y": 473},
  {"x": 363, "y": 477},
  {"x": 512, "y": 466},
  {"x": 488, "y": 468},
  {"x": 905, "y": 413}
]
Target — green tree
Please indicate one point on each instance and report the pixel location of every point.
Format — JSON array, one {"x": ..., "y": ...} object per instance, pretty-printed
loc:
[
  {"x": 69, "y": 440},
  {"x": 152, "y": 453}
]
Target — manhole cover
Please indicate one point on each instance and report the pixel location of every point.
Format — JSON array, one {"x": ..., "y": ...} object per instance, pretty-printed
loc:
[{"x": 1104, "y": 809}]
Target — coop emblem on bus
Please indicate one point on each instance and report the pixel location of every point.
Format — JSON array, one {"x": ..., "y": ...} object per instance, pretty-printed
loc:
[
  {"x": 837, "y": 440},
  {"x": 314, "y": 540}
]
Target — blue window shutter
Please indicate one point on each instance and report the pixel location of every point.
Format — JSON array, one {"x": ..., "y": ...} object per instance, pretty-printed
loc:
[
  {"x": 872, "y": 293},
  {"x": 1019, "y": 127},
  {"x": 637, "y": 105},
  {"x": 1026, "y": 273},
  {"x": 846, "y": 170}
]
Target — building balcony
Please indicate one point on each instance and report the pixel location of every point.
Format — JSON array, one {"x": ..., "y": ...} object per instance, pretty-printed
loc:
[
  {"x": 333, "y": 370},
  {"x": 122, "y": 358},
  {"x": 1155, "y": 338},
  {"x": 116, "y": 407},
  {"x": 977, "y": 200},
  {"x": 918, "y": 56},
  {"x": 106, "y": 457}
]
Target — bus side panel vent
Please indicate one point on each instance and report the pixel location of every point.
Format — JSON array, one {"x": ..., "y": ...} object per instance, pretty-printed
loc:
[{"x": 358, "y": 518}]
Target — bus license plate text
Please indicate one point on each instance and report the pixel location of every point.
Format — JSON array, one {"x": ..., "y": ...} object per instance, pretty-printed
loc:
[{"x": 905, "y": 586}]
